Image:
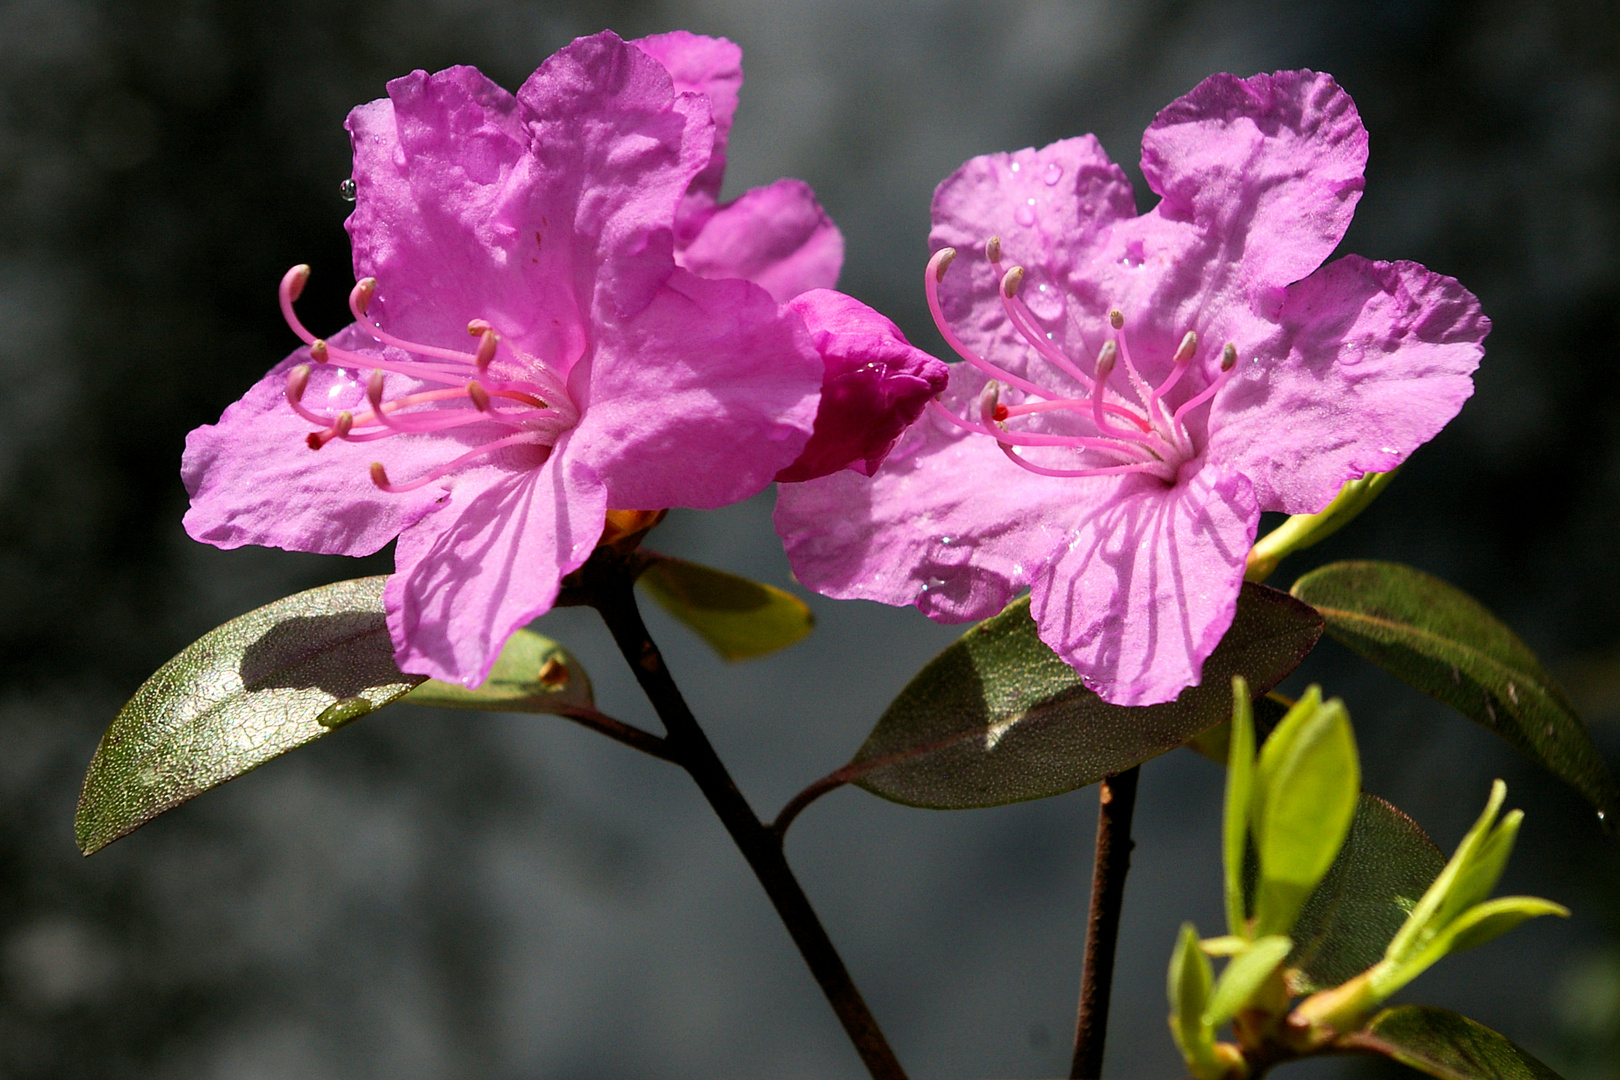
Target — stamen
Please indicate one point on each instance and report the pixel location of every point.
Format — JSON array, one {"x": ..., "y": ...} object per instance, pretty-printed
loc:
[
  {"x": 937, "y": 265},
  {"x": 992, "y": 249},
  {"x": 480, "y": 396},
  {"x": 1228, "y": 356},
  {"x": 318, "y": 351},
  {"x": 1010, "y": 282},
  {"x": 1116, "y": 318},
  {"x": 339, "y": 430},
  {"x": 989, "y": 398},
  {"x": 486, "y": 350},
  {"x": 1184, "y": 353},
  {"x": 1107, "y": 470},
  {"x": 1228, "y": 365},
  {"x": 360, "y": 296},
  {"x": 931, "y": 280},
  {"x": 478, "y": 327},
  {"x": 379, "y": 475}
]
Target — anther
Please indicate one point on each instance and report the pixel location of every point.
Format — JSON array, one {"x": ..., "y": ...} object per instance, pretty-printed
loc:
[
  {"x": 1188, "y": 346},
  {"x": 480, "y": 396},
  {"x": 379, "y": 475},
  {"x": 345, "y": 421},
  {"x": 1105, "y": 361},
  {"x": 1228, "y": 356},
  {"x": 940, "y": 262},
  {"x": 1011, "y": 280},
  {"x": 478, "y": 327},
  {"x": 992, "y": 249},
  {"x": 1116, "y": 318},
  {"x": 297, "y": 381},
  {"x": 374, "y": 391},
  {"x": 317, "y": 351},
  {"x": 296, "y": 279},
  {"x": 990, "y": 402},
  {"x": 486, "y": 350},
  {"x": 360, "y": 296}
]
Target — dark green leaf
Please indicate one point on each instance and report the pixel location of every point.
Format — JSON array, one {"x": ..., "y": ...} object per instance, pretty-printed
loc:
[
  {"x": 533, "y": 674},
  {"x": 243, "y": 693},
  {"x": 1451, "y": 1047},
  {"x": 998, "y": 718},
  {"x": 1446, "y": 644},
  {"x": 1384, "y": 867},
  {"x": 742, "y": 619}
]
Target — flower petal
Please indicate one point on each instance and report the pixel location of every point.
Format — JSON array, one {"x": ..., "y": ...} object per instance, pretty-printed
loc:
[
  {"x": 711, "y": 67},
  {"x": 700, "y": 399},
  {"x": 486, "y": 561},
  {"x": 947, "y": 523},
  {"x": 254, "y": 480},
  {"x": 1051, "y": 208},
  {"x": 1269, "y": 166},
  {"x": 875, "y": 383},
  {"x": 776, "y": 236},
  {"x": 538, "y": 213},
  {"x": 1148, "y": 584},
  {"x": 1370, "y": 360}
]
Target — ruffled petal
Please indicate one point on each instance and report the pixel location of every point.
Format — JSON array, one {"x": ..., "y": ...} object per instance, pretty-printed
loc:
[
  {"x": 1052, "y": 208},
  {"x": 1148, "y": 584},
  {"x": 254, "y": 480},
  {"x": 776, "y": 236},
  {"x": 700, "y": 399},
  {"x": 711, "y": 67},
  {"x": 875, "y": 383},
  {"x": 487, "y": 560},
  {"x": 1368, "y": 362},
  {"x": 1269, "y": 166},
  {"x": 947, "y": 523},
  {"x": 538, "y": 213}
]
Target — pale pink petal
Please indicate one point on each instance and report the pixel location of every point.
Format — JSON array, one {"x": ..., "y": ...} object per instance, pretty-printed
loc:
[
  {"x": 487, "y": 560},
  {"x": 875, "y": 383},
  {"x": 700, "y": 399},
  {"x": 1368, "y": 362},
  {"x": 538, "y": 213},
  {"x": 776, "y": 236},
  {"x": 711, "y": 67},
  {"x": 1269, "y": 166},
  {"x": 1147, "y": 585},
  {"x": 1051, "y": 208},
  {"x": 947, "y": 523},
  {"x": 253, "y": 479}
]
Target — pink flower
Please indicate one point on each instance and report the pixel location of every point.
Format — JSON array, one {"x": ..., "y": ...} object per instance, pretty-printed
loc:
[
  {"x": 527, "y": 353},
  {"x": 1137, "y": 389}
]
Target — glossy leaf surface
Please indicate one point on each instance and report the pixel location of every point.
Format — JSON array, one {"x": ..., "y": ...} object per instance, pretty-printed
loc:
[
  {"x": 998, "y": 717},
  {"x": 533, "y": 674},
  {"x": 1446, "y": 644},
  {"x": 741, "y": 619},
  {"x": 1383, "y": 869},
  {"x": 1446, "y": 1045},
  {"x": 245, "y": 692}
]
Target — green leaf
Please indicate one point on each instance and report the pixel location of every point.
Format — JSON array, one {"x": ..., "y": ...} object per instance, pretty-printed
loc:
[
  {"x": 1305, "y": 792},
  {"x": 1446, "y": 644},
  {"x": 741, "y": 619},
  {"x": 1446, "y": 1045},
  {"x": 998, "y": 717},
  {"x": 1244, "y": 976},
  {"x": 1239, "y": 797},
  {"x": 1189, "y": 982},
  {"x": 243, "y": 693},
  {"x": 533, "y": 674},
  {"x": 1385, "y": 866},
  {"x": 1439, "y": 903}
]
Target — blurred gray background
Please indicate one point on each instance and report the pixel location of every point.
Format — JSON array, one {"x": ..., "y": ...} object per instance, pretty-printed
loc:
[{"x": 432, "y": 894}]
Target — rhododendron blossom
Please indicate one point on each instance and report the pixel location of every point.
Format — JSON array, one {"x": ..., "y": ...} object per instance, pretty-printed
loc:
[
  {"x": 1135, "y": 390},
  {"x": 554, "y": 317}
]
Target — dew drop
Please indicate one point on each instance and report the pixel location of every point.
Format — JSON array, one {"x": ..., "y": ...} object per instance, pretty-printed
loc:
[
  {"x": 1024, "y": 216},
  {"x": 1016, "y": 167},
  {"x": 348, "y": 190},
  {"x": 933, "y": 583},
  {"x": 343, "y": 711},
  {"x": 947, "y": 541},
  {"x": 1053, "y": 173}
]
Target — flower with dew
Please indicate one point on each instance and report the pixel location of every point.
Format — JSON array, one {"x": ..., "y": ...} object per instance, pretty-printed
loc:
[
  {"x": 1136, "y": 389},
  {"x": 527, "y": 353}
]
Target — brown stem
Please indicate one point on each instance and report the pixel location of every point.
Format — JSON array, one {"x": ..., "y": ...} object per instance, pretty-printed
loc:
[
  {"x": 1115, "y": 805},
  {"x": 629, "y": 734},
  {"x": 831, "y": 782},
  {"x": 609, "y": 583}
]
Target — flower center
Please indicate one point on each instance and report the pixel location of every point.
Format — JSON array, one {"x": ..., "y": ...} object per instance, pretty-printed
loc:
[
  {"x": 1117, "y": 433},
  {"x": 531, "y": 410}
]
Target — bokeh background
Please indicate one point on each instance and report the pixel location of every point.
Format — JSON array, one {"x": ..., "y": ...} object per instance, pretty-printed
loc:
[{"x": 430, "y": 894}]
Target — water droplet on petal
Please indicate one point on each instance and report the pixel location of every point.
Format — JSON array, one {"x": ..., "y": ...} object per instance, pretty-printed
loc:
[
  {"x": 348, "y": 190},
  {"x": 933, "y": 583},
  {"x": 1024, "y": 216},
  {"x": 1053, "y": 173},
  {"x": 1016, "y": 167},
  {"x": 947, "y": 541}
]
